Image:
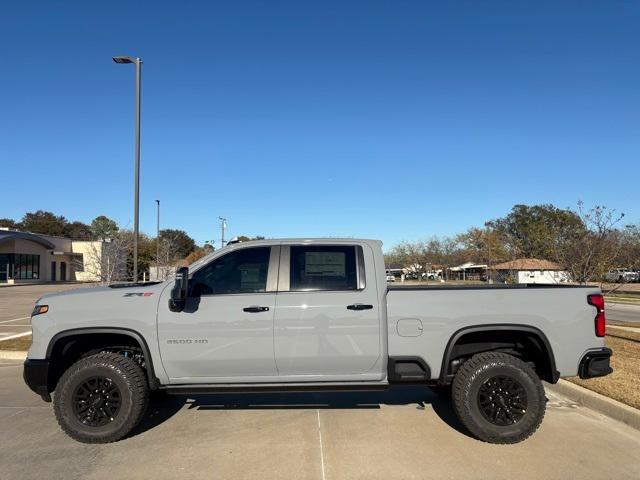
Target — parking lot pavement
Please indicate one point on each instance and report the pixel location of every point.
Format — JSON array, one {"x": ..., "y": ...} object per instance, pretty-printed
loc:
[
  {"x": 403, "y": 433},
  {"x": 16, "y": 303}
]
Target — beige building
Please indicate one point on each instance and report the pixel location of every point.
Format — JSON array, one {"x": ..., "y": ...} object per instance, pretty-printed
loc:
[
  {"x": 531, "y": 270},
  {"x": 33, "y": 258}
]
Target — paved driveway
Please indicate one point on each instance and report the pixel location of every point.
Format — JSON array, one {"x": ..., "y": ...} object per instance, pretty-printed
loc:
[{"x": 405, "y": 433}]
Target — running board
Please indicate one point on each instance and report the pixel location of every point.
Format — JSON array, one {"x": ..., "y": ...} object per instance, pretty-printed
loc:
[{"x": 273, "y": 388}]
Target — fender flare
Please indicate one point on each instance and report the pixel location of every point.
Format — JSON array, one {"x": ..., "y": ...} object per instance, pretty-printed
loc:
[
  {"x": 154, "y": 382},
  {"x": 555, "y": 375}
]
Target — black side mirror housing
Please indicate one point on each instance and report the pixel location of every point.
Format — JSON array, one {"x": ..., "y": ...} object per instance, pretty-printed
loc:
[{"x": 179, "y": 291}]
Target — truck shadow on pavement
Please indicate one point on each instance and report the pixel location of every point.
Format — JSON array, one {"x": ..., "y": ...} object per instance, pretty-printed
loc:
[{"x": 164, "y": 407}]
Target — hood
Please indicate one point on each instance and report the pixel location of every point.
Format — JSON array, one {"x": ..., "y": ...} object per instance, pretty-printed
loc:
[{"x": 106, "y": 289}]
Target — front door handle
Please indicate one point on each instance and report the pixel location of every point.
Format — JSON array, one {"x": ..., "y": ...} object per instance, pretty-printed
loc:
[
  {"x": 255, "y": 309},
  {"x": 359, "y": 306}
]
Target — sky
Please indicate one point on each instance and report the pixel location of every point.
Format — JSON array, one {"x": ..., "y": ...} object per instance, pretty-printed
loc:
[{"x": 396, "y": 120}]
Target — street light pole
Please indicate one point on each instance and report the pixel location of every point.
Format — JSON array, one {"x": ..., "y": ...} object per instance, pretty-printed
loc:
[
  {"x": 136, "y": 203},
  {"x": 158, "y": 241},
  {"x": 223, "y": 225}
]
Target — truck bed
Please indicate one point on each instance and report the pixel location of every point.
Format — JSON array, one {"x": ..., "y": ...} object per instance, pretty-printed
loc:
[{"x": 423, "y": 319}]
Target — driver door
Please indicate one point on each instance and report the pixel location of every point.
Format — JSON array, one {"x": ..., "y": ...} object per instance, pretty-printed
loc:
[{"x": 226, "y": 328}]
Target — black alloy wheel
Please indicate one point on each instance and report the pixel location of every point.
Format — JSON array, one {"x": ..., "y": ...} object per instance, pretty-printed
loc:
[
  {"x": 96, "y": 401},
  {"x": 502, "y": 400}
]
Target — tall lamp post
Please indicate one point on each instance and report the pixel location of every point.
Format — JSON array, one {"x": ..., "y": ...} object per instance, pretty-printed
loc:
[
  {"x": 136, "y": 208},
  {"x": 158, "y": 241},
  {"x": 223, "y": 226}
]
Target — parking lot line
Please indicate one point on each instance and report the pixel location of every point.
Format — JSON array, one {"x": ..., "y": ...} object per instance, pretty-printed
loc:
[
  {"x": 321, "y": 448},
  {"x": 18, "y": 335},
  {"x": 15, "y": 319}
]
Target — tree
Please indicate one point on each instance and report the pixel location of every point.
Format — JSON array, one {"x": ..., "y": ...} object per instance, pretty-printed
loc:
[
  {"x": 630, "y": 247},
  {"x": 591, "y": 251},
  {"x": 108, "y": 261},
  {"x": 9, "y": 223},
  {"x": 180, "y": 243},
  {"x": 173, "y": 247},
  {"x": 103, "y": 227},
  {"x": 44, "y": 222},
  {"x": 539, "y": 231},
  {"x": 244, "y": 238},
  {"x": 146, "y": 252},
  {"x": 197, "y": 254},
  {"x": 485, "y": 245},
  {"x": 79, "y": 231}
]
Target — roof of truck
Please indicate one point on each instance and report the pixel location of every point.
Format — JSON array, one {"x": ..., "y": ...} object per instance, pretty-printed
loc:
[{"x": 272, "y": 241}]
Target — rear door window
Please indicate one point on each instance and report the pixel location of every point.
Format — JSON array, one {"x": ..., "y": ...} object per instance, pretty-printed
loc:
[{"x": 323, "y": 268}]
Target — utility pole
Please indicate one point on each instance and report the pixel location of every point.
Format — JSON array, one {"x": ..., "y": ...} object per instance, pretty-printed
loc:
[
  {"x": 158, "y": 241},
  {"x": 223, "y": 226}
]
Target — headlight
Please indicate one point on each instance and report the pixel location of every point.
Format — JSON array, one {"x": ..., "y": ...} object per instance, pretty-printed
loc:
[{"x": 39, "y": 309}]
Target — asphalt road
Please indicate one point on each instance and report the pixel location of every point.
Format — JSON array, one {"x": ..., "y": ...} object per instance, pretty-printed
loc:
[
  {"x": 404, "y": 433},
  {"x": 623, "y": 313}
]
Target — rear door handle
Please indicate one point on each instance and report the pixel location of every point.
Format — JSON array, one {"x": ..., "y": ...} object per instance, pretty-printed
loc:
[
  {"x": 359, "y": 306},
  {"x": 255, "y": 309}
]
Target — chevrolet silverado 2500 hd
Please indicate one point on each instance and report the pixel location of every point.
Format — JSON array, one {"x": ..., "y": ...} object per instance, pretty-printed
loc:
[{"x": 309, "y": 314}]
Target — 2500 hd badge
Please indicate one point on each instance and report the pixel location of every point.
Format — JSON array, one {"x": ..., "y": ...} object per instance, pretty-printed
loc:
[{"x": 186, "y": 341}]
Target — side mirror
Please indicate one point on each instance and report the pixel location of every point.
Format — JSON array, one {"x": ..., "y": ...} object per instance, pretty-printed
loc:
[{"x": 179, "y": 291}]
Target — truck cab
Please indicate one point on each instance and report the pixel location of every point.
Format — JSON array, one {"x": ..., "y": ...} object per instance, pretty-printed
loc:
[{"x": 291, "y": 311}]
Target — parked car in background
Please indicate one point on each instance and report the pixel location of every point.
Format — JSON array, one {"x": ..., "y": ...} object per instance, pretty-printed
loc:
[
  {"x": 390, "y": 278},
  {"x": 432, "y": 275},
  {"x": 621, "y": 275}
]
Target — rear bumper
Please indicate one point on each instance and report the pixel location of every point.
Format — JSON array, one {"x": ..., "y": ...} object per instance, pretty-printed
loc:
[
  {"x": 36, "y": 376},
  {"x": 595, "y": 364}
]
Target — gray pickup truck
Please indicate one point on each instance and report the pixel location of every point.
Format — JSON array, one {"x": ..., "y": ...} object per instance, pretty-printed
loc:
[{"x": 310, "y": 314}]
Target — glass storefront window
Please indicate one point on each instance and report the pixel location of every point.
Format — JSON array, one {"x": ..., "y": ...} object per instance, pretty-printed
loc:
[{"x": 21, "y": 266}]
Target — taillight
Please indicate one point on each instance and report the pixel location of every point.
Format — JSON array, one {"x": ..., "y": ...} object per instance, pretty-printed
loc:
[{"x": 600, "y": 321}]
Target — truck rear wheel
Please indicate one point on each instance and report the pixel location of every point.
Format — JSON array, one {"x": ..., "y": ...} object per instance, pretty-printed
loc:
[
  {"x": 101, "y": 398},
  {"x": 498, "y": 398}
]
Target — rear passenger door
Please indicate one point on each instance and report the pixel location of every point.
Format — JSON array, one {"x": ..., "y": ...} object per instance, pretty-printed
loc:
[{"x": 327, "y": 324}]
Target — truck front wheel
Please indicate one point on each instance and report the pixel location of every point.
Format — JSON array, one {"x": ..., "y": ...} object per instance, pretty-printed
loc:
[
  {"x": 498, "y": 398},
  {"x": 101, "y": 398}
]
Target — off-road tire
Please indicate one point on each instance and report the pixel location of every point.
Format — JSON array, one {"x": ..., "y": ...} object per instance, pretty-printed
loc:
[
  {"x": 479, "y": 370},
  {"x": 131, "y": 383}
]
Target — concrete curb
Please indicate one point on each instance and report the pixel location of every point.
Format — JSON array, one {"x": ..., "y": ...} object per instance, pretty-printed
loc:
[
  {"x": 11, "y": 355},
  {"x": 595, "y": 401}
]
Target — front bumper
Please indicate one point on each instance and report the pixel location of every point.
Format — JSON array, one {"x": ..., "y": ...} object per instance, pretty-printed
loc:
[
  {"x": 36, "y": 376},
  {"x": 595, "y": 364}
]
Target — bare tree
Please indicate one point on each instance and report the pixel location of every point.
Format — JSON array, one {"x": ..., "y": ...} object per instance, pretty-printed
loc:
[
  {"x": 106, "y": 261},
  {"x": 591, "y": 251},
  {"x": 169, "y": 252}
]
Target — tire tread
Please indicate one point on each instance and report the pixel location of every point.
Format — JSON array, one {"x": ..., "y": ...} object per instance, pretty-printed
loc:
[
  {"x": 461, "y": 383},
  {"x": 135, "y": 379}
]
